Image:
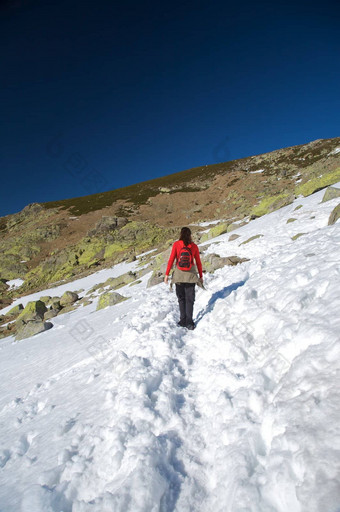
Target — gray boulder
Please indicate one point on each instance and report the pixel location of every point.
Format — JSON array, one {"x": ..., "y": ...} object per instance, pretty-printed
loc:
[
  {"x": 45, "y": 299},
  {"x": 55, "y": 305},
  {"x": 280, "y": 202},
  {"x": 331, "y": 193},
  {"x": 107, "y": 224},
  {"x": 118, "y": 282},
  {"x": 157, "y": 277},
  {"x": 213, "y": 262},
  {"x": 233, "y": 237},
  {"x": 67, "y": 309},
  {"x": 295, "y": 237},
  {"x": 33, "y": 311},
  {"x": 31, "y": 328},
  {"x": 51, "y": 313},
  {"x": 15, "y": 311},
  {"x": 109, "y": 299},
  {"x": 68, "y": 298},
  {"x": 251, "y": 239},
  {"x": 334, "y": 216}
]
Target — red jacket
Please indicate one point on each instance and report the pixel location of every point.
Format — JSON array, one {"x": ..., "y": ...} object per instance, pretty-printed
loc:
[{"x": 175, "y": 254}]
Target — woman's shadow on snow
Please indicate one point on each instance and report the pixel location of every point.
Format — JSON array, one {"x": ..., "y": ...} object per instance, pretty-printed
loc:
[{"x": 221, "y": 294}]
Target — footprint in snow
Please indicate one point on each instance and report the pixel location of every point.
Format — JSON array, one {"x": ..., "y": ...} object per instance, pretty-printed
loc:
[
  {"x": 67, "y": 426},
  {"x": 5, "y": 455},
  {"x": 23, "y": 444}
]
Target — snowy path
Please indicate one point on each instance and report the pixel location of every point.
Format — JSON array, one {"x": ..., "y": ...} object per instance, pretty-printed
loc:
[{"x": 120, "y": 410}]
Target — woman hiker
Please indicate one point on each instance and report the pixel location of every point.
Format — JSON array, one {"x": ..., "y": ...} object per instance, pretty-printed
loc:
[{"x": 185, "y": 275}]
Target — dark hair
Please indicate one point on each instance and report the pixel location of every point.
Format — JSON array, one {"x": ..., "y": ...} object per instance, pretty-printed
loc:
[{"x": 186, "y": 236}]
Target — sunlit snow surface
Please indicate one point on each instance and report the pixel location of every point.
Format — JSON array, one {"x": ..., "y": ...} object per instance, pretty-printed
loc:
[
  {"x": 121, "y": 410},
  {"x": 14, "y": 283}
]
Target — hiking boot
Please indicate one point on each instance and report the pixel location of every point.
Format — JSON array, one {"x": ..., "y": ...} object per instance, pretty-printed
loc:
[
  {"x": 182, "y": 323},
  {"x": 191, "y": 326}
]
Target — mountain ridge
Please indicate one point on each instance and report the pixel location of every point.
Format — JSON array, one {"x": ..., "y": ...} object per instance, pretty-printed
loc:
[{"x": 50, "y": 242}]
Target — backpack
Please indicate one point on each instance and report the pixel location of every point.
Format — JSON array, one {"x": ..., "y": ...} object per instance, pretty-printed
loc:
[{"x": 184, "y": 261}]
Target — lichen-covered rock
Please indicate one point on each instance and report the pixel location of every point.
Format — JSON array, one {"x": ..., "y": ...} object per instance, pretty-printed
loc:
[
  {"x": 233, "y": 237},
  {"x": 331, "y": 193},
  {"x": 235, "y": 225},
  {"x": 55, "y": 304},
  {"x": 11, "y": 266},
  {"x": 51, "y": 313},
  {"x": 281, "y": 202},
  {"x": 31, "y": 328},
  {"x": 235, "y": 260},
  {"x": 217, "y": 230},
  {"x": 272, "y": 203},
  {"x": 118, "y": 282},
  {"x": 51, "y": 301},
  {"x": 334, "y": 216},
  {"x": 85, "y": 301},
  {"x": 46, "y": 299},
  {"x": 15, "y": 311},
  {"x": 33, "y": 311},
  {"x": 32, "y": 209},
  {"x": 290, "y": 220},
  {"x": 212, "y": 262},
  {"x": 295, "y": 237},
  {"x": 110, "y": 299},
  {"x": 135, "y": 282},
  {"x": 67, "y": 309},
  {"x": 68, "y": 298},
  {"x": 158, "y": 266},
  {"x": 156, "y": 278},
  {"x": 107, "y": 224},
  {"x": 318, "y": 183},
  {"x": 251, "y": 239}
]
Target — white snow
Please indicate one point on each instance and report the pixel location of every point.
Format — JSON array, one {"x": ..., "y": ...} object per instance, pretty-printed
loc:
[
  {"x": 334, "y": 152},
  {"x": 14, "y": 283},
  {"x": 146, "y": 253},
  {"x": 120, "y": 410},
  {"x": 257, "y": 172}
]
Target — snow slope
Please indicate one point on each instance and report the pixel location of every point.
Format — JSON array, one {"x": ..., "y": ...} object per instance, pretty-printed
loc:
[{"x": 120, "y": 410}]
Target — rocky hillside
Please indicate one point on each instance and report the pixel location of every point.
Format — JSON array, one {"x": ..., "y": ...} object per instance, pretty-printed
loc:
[{"x": 52, "y": 242}]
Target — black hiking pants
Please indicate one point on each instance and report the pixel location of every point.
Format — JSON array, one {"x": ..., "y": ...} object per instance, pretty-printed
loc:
[{"x": 186, "y": 297}]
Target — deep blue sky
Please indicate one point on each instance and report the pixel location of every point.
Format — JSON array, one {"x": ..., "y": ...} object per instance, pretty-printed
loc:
[{"x": 96, "y": 97}]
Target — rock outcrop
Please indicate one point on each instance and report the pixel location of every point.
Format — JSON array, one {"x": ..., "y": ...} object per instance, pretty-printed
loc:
[
  {"x": 68, "y": 298},
  {"x": 31, "y": 320},
  {"x": 110, "y": 299},
  {"x": 212, "y": 262},
  {"x": 334, "y": 216},
  {"x": 107, "y": 224},
  {"x": 331, "y": 193},
  {"x": 14, "y": 312},
  {"x": 33, "y": 311},
  {"x": 31, "y": 328},
  {"x": 255, "y": 237},
  {"x": 217, "y": 230}
]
